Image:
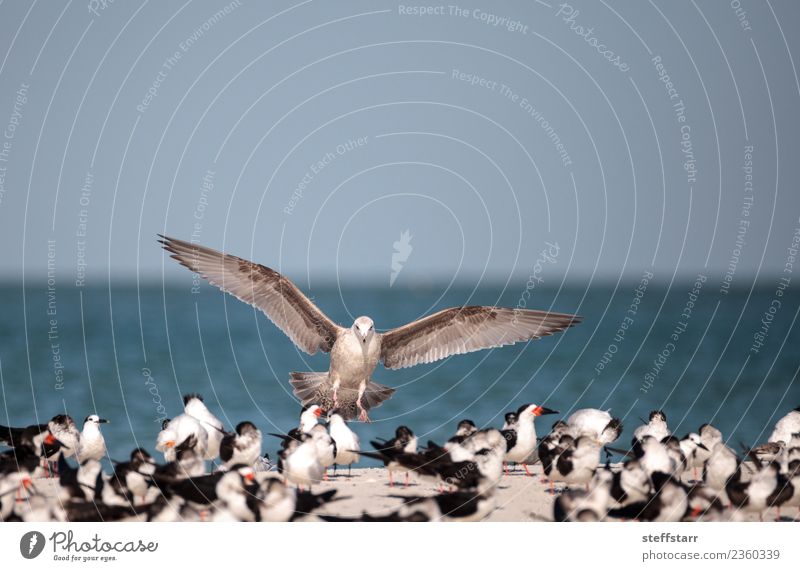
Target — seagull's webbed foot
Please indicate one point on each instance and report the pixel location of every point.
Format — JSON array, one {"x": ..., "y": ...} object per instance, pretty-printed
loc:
[{"x": 362, "y": 412}]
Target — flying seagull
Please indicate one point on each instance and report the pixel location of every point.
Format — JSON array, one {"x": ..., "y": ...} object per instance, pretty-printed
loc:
[{"x": 356, "y": 350}]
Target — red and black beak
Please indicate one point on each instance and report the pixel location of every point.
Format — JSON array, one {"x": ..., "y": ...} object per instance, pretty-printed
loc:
[{"x": 540, "y": 410}]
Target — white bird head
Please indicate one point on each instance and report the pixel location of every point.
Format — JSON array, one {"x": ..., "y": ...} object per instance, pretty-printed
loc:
[
  {"x": 364, "y": 329},
  {"x": 95, "y": 420}
]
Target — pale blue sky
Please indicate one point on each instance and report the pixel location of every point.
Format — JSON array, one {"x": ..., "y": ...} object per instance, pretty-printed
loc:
[{"x": 414, "y": 130}]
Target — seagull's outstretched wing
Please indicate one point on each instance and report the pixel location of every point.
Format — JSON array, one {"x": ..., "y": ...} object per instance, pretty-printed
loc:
[
  {"x": 262, "y": 287},
  {"x": 465, "y": 329}
]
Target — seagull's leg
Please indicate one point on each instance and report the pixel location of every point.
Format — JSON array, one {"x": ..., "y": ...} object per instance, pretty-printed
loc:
[
  {"x": 391, "y": 480},
  {"x": 527, "y": 472},
  {"x": 406, "y": 485},
  {"x": 362, "y": 412}
]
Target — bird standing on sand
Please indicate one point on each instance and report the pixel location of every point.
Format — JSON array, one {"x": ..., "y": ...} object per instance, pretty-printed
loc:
[
  {"x": 241, "y": 447},
  {"x": 767, "y": 488},
  {"x": 722, "y": 465},
  {"x": 298, "y": 460},
  {"x": 577, "y": 464},
  {"x": 589, "y": 505},
  {"x": 347, "y": 442},
  {"x": 92, "y": 444},
  {"x": 357, "y": 350},
  {"x": 520, "y": 442}
]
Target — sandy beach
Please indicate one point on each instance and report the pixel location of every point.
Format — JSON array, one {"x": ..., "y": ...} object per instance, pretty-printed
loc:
[{"x": 519, "y": 498}]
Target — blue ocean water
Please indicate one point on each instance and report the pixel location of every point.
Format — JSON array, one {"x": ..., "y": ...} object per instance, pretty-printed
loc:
[{"x": 129, "y": 353}]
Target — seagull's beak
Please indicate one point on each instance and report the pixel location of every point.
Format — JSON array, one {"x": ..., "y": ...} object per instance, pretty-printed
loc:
[
  {"x": 170, "y": 443},
  {"x": 540, "y": 410},
  {"x": 103, "y": 421},
  {"x": 318, "y": 412},
  {"x": 703, "y": 446},
  {"x": 50, "y": 439}
]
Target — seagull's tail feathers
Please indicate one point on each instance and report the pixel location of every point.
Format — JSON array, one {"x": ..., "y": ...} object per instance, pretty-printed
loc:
[
  {"x": 375, "y": 394},
  {"x": 309, "y": 387},
  {"x": 316, "y": 388}
]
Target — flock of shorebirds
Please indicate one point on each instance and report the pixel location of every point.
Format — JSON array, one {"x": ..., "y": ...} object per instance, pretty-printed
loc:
[
  {"x": 53, "y": 471},
  {"x": 658, "y": 480}
]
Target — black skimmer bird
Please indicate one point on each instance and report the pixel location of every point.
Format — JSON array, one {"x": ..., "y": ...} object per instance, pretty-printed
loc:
[
  {"x": 589, "y": 505},
  {"x": 131, "y": 479},
  {"x": 64, "y": 429},
  {"x": 36, "y": 440},
  {"x": 347, "y": 442},
  {"x": 182, "y": 429},
  {"x": 235, "y": 498},
  {"x": 655, "y": 457},
  {"x": 356, "y": 350},
  {"x": 655, "y": 427},
  {"x": 551, "y": 446},
  {"x": 92, "y": 444},
  {"x": 709, "y": 437},
  {"x": 436, "y": 464},
  {"x": 767, "y": 488},
  {"x": 521, "y": 442},
  {"x": 486, "y": 447},
  {"x": 577, "y": 463},
  {"x": 199, "y": 492},
  {"x": 194, "y": 406},
  {"x": 279, "y": 503},
  {"x": 243, "y": 446},
  {"x": 16, "y": 479},
  {"x": 309, "y": 417},
  {"x": 669, "y": 501},
  {"x": 510, "y": 420},
  {"x": 631, "y": 484},
  {"x": 464, "y": 430},
  {"x": 451, "y": 506},
  {"x": 403, "y": 441},
  {"x": 596, "y": 423},
  {"x": 298, "y": 460},
  {"x": 722, "y": 466},
  {"x": 694, "y": 451},
  {"x": 326, "y": 447},
  {"x": 188, "y": 462}
]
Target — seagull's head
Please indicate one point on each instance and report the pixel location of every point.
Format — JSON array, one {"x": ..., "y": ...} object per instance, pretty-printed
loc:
[{"x": 364, "y": 328}]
